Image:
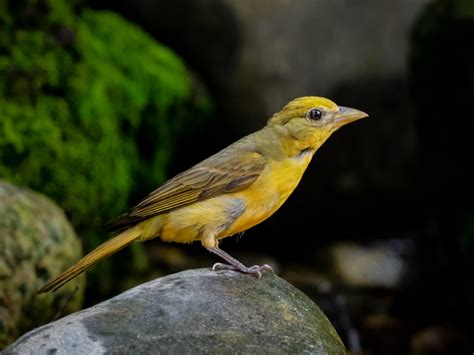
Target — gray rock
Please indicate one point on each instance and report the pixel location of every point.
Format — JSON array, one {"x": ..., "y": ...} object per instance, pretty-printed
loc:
[
  {"x": 193, "y": 312},
  {"x": 307, "y": 47},
  {"x": 264, "y": 53},
  {"x": 382, "y": 263},
  {"x": 36, "y": 242}
]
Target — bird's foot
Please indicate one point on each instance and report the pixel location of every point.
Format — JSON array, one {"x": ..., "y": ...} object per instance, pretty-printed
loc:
[{"x": 255, "y": 270}]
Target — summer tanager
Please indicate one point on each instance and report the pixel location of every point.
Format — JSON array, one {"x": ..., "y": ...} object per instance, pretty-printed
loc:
[{"x": 231, "y": 191}]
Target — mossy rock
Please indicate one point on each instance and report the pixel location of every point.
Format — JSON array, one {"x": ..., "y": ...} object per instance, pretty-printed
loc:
[
  {"x": 36, "y": 242},
  {"x": 90, "y": 106}
]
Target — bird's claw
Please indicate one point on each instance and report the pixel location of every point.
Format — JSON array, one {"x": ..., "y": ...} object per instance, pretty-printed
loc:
[
  {"x": 262, "y": 268},
  {"x": 221, "y": 266},
  {"x": 255, "y": 270}
]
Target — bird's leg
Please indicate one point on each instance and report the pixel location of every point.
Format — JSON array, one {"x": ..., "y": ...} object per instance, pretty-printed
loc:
[{"x": 234, "y": 264}]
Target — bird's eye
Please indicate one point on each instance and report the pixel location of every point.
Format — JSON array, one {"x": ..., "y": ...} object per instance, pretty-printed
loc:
[{"x": 315, "y": 114}]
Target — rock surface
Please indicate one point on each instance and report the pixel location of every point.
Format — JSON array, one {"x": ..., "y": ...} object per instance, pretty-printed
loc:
[
  {"x": 36, "y": 242},
  {"x": 193, "y": 312}
]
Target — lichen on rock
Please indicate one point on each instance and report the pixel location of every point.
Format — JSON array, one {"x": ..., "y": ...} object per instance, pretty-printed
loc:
[{"x": 36, "y": 242}]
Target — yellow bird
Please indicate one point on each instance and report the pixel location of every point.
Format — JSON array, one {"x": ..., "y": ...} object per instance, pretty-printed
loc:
[{"x": 231, "y": 191}]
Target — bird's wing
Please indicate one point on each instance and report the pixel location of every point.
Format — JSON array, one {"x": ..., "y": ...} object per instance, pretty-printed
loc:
[{"x": 220, "y": 174}]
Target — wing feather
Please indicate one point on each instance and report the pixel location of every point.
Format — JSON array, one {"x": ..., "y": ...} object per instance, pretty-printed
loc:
[{"x": 225, "y": 172}]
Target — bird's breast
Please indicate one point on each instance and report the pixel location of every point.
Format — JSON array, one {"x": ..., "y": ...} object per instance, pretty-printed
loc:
[{"x": 269, "y": 191}]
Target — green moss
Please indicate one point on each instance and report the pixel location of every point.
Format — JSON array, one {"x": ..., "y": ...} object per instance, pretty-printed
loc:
[
  {"x": 90, "y": 106},
  {"x": 90, "y": 109}
]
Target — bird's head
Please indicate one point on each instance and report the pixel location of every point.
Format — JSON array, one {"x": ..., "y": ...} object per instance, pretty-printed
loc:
[{"x": 311, "y": 119}]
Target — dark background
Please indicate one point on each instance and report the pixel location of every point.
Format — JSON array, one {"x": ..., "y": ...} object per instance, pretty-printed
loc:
[{"x": 380, "y": 232}]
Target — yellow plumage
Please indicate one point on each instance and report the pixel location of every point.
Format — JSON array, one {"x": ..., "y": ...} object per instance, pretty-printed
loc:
[{"x": 231, "y": 191}]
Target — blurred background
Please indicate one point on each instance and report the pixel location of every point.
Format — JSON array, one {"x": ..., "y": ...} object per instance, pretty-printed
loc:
[{"x": 101, "y": 101}]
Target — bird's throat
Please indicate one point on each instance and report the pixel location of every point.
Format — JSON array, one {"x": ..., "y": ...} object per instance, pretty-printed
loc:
[{"x": 304, "y": 152}]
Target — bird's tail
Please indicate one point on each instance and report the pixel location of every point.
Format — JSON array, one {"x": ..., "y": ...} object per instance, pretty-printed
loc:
[{"x": 102, "y": 251}]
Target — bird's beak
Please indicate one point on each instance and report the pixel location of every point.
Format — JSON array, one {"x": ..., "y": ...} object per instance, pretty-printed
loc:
[{"x": 347, "y": 115}]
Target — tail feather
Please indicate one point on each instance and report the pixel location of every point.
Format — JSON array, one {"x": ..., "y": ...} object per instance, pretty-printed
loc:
[{"x": 102, "y": 251}]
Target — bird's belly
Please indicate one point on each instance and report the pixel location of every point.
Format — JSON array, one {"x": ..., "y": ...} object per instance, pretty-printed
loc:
[
  {"x": 189, "y": 223},
  {"x": 257, "y": 211},
  {"x": 268, "y": 193}
]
